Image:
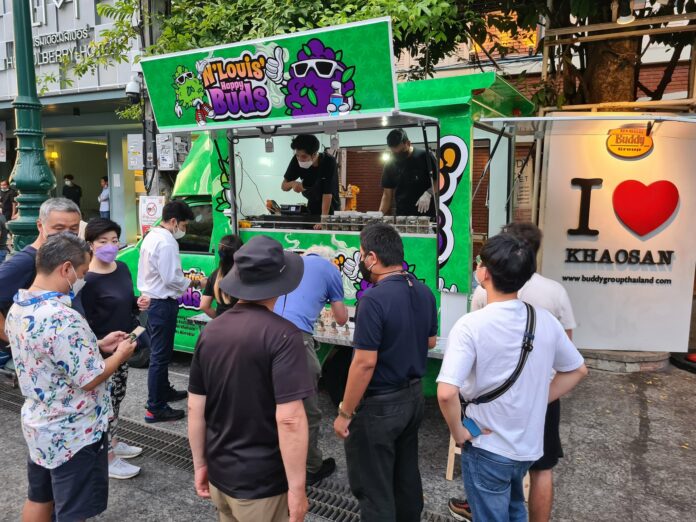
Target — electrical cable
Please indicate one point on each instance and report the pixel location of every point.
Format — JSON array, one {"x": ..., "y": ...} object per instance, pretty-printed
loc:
[
  {"x": 244, "y": 172},
  {"x": 222, "y": 165}
]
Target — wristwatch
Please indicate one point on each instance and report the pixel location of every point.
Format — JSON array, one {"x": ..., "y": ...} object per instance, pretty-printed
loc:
[{"x": 343, "y": 414}]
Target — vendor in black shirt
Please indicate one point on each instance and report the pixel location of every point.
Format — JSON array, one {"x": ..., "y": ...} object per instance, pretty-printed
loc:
[
  {"x": 317, "y": 174},
  {"x": 410, "y": 174}
]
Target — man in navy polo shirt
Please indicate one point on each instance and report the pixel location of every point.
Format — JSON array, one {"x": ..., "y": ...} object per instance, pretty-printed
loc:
[{"x": 382, "y": 408}]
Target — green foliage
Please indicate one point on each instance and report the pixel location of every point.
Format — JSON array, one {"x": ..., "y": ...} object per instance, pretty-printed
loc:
[
  {"x": 115, "y": 42},
  {"x": 568, "y": 67},
  {"x": 429, "y": 30},
  {"x": 131, "y": 112}
]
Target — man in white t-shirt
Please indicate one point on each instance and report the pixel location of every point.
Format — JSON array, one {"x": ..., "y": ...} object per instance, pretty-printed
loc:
[
  {"x": 550, "y": 295},
  {"x": 482, "y": 351}
]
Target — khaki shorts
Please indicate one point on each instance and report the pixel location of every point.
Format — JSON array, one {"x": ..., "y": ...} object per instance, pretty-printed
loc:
[{"x": 272, "y": 509}]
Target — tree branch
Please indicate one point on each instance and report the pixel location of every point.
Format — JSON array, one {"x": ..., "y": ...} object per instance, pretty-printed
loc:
[
  {"x": 639, "y": 85},
  {"x": 667, "y": 76},
  {"x": 484, "y": 51}
]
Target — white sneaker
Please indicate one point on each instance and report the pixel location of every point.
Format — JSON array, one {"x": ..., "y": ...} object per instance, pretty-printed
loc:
[
  {"x": 120, "y": 469},
  {"x": 124, "y": 451}
]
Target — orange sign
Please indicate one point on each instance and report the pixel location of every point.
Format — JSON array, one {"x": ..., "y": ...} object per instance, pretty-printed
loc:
[{"x": 631, "y": 143}]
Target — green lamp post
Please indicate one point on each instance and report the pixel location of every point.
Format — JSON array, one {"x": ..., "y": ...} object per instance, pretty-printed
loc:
[{"x": 31, "y": 175}]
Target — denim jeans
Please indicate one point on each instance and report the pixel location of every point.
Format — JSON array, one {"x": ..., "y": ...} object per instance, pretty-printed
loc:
[
  {"x": 493, "y": 485},
  {"x": 161, "y": 326},
  {"x": 106, "y": 214},
  {"x": 382, "y": 456},
  {"x": 3, "y": 254}
]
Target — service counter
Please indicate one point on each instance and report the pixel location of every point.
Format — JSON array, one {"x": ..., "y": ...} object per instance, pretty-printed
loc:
[
  {"x": 328, "y": 338},
  {"x": 340, "y": 222}
]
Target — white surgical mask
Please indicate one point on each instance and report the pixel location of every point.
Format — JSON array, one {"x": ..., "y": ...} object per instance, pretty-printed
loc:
[
  {"x": 68, "y": 183},
  {"x": 78, "y": 285},
  {"x": 178, "y": 234},
  {"x": 305, "y": 164}
]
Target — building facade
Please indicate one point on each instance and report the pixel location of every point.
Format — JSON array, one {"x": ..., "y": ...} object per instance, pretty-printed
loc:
[{"x": 84, "y": 136}]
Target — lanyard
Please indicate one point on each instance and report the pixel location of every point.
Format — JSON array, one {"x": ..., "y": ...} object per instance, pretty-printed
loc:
[{"x": 36, "y": 299}]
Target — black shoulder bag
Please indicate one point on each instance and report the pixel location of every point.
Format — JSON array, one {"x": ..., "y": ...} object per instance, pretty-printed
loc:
[{"x": 527, "y": 347}]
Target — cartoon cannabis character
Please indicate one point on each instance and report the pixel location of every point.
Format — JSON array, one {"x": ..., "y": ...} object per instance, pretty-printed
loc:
[
  {"x": 189, "y": 95},
  {"x": 318, "y": 82}
]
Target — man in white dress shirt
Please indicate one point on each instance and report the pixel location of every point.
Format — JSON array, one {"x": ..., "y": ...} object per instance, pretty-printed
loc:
[{"x": 161, "y": 278}]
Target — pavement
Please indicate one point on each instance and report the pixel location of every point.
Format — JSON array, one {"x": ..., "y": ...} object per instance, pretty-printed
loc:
[{"x": 629, "y": 444}]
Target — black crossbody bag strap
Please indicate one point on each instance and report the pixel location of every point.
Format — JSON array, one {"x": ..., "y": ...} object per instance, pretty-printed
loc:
[{"x": 527, "y": 347}]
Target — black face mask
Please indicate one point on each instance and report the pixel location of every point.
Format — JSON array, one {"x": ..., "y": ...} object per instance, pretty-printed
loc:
[
  {"x": 364, "y": 271},
  {"x": 401, "y": 155}
]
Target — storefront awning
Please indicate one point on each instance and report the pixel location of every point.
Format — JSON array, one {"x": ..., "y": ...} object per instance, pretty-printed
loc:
[{"x": 350, "y": 122}]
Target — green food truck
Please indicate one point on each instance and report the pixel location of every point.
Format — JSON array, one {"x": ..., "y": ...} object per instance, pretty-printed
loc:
[{"x": 244, "y": 102}]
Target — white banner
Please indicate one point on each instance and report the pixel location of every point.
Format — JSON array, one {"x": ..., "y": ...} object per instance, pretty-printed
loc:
[
  {"x": 618, "y": 230},
  {"x": 150, "y": 210}
]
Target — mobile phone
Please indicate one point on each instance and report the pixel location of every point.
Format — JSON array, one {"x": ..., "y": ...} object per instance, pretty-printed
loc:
[
  {"x": 470, "y": 425},
  {"x": 136, "y": 333}
]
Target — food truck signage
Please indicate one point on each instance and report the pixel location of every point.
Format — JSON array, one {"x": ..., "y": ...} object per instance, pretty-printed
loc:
[
  {"x": 619, "y": 236},
  {"x": 629, "y": 142},
  {"x": 336, "y": 72}
]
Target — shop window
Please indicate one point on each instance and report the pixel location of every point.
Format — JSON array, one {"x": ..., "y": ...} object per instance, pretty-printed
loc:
[{"x": 198, "y": 231}]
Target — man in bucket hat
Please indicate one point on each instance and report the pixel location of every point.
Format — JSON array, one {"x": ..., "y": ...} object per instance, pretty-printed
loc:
[{"x": 247, "y": 425}]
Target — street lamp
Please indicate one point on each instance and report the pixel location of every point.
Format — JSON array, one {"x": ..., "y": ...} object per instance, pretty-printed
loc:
[{"x": 30, "y": 175}]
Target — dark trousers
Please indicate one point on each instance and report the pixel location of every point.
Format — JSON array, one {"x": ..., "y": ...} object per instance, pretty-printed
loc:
[
  {"x": 311, "y": 406},
  {"x": 161, "y": 326},
  {"x": 382, "y": 456}
]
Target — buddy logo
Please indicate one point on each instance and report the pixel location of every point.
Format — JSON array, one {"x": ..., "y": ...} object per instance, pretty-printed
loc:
[
  {"x": 191, "y": 300},
  {"x": 629, "y": 142}
]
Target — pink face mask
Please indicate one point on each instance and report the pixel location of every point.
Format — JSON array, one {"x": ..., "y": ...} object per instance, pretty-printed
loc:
[{"x": 106, "y": 253}]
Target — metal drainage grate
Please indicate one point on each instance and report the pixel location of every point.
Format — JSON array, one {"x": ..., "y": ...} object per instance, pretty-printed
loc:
[
  {"x": 161, "y": 445},
  {"x": 327, "y": 499},
  {"x": 333, "y": 501}
]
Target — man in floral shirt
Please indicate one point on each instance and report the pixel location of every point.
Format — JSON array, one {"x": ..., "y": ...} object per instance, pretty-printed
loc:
[{"x": 63, "y": 378}]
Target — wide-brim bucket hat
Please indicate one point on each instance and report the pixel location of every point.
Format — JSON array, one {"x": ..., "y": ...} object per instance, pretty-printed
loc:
[{"x": 263, "y": 270}]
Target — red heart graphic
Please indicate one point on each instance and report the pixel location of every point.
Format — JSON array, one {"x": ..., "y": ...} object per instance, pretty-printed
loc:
[{"x": 644, "y": 208}]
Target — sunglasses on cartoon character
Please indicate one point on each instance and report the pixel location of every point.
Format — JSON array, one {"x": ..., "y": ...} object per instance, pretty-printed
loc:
[
  {"x": 181, "y": 79},
  {"x": 323, "y": 68}
]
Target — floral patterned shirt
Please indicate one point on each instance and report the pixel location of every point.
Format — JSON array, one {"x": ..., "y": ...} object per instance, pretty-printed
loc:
[{"x": 55, "y": 354}]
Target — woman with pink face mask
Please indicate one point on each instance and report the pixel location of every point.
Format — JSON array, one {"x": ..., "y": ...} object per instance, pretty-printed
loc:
[{"x": 109, "y": 304}]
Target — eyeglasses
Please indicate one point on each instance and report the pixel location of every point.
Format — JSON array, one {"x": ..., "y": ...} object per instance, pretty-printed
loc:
[
  {"x": 323, "y": 68},
  {"x": 181, "y": 79}
]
